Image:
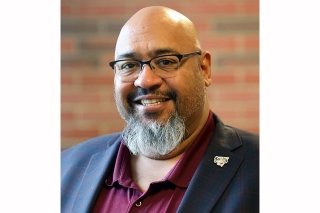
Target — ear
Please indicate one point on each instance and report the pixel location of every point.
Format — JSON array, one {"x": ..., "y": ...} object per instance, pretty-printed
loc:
[{"x": 206, "y": 68}]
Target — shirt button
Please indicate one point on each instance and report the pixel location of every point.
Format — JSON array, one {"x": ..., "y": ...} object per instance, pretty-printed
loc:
[{"x": 138, "y": 204}]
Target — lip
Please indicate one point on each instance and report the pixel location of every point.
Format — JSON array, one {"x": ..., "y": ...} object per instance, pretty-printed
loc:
[{"x": 151, "y": 103}]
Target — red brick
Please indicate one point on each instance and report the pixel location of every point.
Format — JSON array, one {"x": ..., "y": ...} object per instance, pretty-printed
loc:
[
  {"x": 65, "y": 10},
  {"x": 79, "y": 133},
  {"x": 67, "y": 116},
  {"x": 67, "y": 45},
  {"x": 101, "y": 116},
  {"x": 66, "y": 79},
  {"x": 237, "y": 60},
  {"x": 80, "y": 62},
  {"x": 80, "y": 98},
  {"x": 251, "y": 7},
  {"x": 202, "y": 26},
  {"x": 237, "y": 25},
  {"x": 251, "y": 114},
  {"x": 251, "y": 42},
  {"x": 220, "y": 43},
  {"x": 96, "y": 80},
  {"x": 228, "y": 114},
  {"x": 221, "y": 78},
  {"x": 253, "y": 129},
  {"x": 97, "y": 44},
  {"x": 206, "y": 8},
  {"x": 98, "y": 10},
  {"x": 239, "y": 96},
  {"x": 252, "y": 77}
]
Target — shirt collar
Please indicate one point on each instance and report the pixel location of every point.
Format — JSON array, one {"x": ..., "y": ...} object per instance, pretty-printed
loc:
[
  {"x": 180, "y": 174},
  {"x": 183, "y": 171},
  {"x": 122, "y": 169}
]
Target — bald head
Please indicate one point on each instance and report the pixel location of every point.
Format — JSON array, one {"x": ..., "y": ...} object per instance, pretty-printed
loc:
[{"x": 157, "y": 27}]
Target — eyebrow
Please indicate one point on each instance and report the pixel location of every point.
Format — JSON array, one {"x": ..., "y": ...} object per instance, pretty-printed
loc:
[
  {"x": 157, "y": 52},
  {"x": 127, "y": 55},
  {"x": 163, "y": 51}
]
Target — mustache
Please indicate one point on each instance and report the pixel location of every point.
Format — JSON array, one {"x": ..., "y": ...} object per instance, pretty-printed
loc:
[{"x": 141, "y": 91}]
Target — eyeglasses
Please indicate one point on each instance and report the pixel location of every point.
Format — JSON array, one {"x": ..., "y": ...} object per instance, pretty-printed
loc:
[{"x": 165, "y": 66}]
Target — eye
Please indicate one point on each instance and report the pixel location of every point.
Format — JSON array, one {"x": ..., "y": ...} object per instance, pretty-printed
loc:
[
  {"x": 167, "y": 62},
  {"x": 129, "y": 65}
]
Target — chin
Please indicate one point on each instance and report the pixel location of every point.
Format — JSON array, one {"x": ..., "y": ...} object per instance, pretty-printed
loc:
[{"x": 155, "y": 117}]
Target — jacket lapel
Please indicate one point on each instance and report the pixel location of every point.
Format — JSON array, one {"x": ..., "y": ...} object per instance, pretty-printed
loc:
[
  {"x": 211, "y": 180},
  {"x": 99, "y": 165}
]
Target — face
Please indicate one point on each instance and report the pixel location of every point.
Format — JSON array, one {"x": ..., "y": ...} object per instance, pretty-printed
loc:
[{"x": 151, "y": 98}]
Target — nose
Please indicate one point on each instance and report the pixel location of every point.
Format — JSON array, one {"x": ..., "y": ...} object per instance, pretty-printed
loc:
[{"x": 147, "y": 78}]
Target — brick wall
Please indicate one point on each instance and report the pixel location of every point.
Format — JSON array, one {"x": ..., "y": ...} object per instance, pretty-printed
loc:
[{"x": 229, "y": 29}]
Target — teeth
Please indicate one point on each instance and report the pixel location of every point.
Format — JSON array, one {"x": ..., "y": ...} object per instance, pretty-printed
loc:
[{"x": 146, "y": 102}]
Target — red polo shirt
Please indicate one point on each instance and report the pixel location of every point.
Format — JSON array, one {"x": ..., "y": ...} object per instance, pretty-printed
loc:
[{"x": 120, "y": 193}]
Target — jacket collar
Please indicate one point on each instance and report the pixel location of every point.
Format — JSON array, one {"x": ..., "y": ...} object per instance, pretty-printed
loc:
[
  {"x": 210, "y": 180},
  {"x": 100, "y": 164}
]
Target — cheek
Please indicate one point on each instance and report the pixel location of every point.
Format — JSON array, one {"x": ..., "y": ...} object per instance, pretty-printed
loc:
[
  {"x": 187, "y": 84},
  {"x": 190, "y": 92},
  {"x": 120, "y": 87},
  {"x": 121, "y": 91}
]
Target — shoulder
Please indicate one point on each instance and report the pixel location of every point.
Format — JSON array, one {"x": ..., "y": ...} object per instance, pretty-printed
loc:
[
  {"x": 234, "y": 138},
  {"x": 91, "y": 146},
  {"x": 237, "y": 141},
  {"x": 248, "y": 139},
  {"x": 247, "y": 144}
]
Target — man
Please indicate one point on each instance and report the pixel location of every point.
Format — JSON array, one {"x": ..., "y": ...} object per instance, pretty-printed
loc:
[{"x": 174, "y": 154}]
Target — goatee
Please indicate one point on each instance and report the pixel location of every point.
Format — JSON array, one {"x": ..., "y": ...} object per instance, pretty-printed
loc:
[{"x": 152, "y": 138}]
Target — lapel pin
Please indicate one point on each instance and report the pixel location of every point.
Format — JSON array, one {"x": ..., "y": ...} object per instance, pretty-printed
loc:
[{"x": 220, "y": 160}]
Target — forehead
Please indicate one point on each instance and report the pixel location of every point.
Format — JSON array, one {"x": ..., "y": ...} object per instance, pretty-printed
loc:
[{"x": 146, "y": 39}]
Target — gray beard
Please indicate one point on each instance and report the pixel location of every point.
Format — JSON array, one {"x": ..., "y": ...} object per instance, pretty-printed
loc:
[{"x": 153, "y": 139}]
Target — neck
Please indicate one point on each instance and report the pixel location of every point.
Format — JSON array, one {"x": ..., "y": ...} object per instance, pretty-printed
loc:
[{"x": 145, "y": 169}]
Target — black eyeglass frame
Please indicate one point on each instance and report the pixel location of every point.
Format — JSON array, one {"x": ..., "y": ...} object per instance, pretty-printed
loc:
[{"x": 179, "y": 56}]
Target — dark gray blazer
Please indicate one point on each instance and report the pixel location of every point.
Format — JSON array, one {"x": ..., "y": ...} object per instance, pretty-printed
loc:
[{"x": 233, "y": 188}]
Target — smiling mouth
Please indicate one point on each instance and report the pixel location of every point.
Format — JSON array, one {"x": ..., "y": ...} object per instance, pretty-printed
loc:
[{"x": 148, "y": 102}]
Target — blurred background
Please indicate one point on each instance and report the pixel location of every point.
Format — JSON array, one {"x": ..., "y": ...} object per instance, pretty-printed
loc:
[{"x": 229, "y": 29}]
